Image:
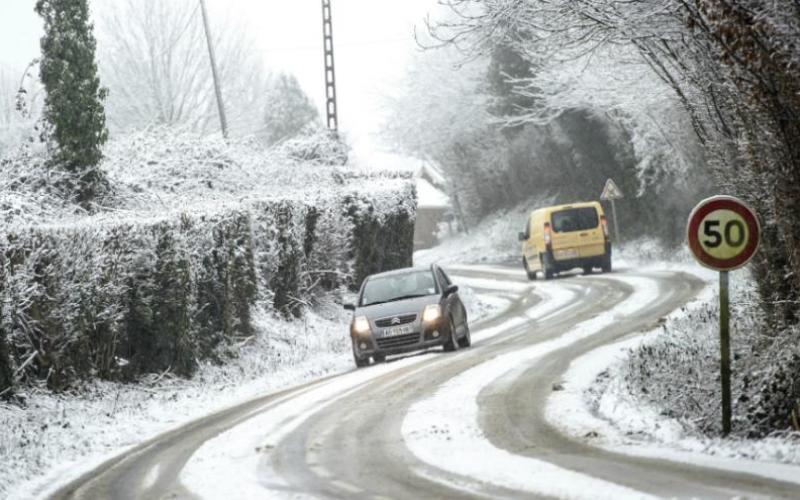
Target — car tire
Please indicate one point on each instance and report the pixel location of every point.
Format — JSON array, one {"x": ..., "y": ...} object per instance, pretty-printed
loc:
[
  {"x": 547, "y": 267},
  {"x": 606, "y": 267},
  {"x": 360, "y": 363},
  {"x": 452, "y": 343},
  {"x": 466, "y": 340},
  {"x": 531, "y": 274},
  {"x": 587, "y": 270}
]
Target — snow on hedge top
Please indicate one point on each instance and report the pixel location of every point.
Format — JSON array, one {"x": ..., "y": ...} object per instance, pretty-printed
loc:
[{"x": 162, "y": 171}]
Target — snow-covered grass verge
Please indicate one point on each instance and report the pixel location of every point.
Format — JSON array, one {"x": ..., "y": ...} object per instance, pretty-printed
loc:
[
  {"x": 55, "y": 436},
  {"x": 493, "y": 240},
  {"x": 657, "y": 394}
]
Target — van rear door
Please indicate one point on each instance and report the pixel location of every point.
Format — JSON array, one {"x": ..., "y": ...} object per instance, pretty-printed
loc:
[{"x": 576, "y": 232}]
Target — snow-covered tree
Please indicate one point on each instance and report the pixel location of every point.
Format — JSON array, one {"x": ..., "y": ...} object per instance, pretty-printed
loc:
[
  {"x": 21, "y": 102},
  {"x": 287, "y": 109},
  {"x": 153, "y": 59},
  {"x": 74, "y": 101}
]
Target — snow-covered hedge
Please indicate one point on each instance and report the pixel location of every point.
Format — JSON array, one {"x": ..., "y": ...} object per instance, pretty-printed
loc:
[
  {"x": 117, "y": 299},
  {"x": 678, "y": 371},
  {"x": 199, "y": 233}
]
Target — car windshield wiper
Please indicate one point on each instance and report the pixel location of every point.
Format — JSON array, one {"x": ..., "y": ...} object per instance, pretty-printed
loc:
[
  {"x": 393, "y": 299},
  {"x": 403, "y": 297}
]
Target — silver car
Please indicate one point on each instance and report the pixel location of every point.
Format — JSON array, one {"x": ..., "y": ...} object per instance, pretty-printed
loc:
[{"x": 407, "y": 310}]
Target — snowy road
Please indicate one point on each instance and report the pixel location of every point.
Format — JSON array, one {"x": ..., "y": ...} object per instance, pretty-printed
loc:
[{"x": 469, "y": 424}]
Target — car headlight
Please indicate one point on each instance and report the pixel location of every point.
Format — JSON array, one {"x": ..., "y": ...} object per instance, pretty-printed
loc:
[
  {"x": 361, "y": 325},
  {"x": 431, "y": 313}
]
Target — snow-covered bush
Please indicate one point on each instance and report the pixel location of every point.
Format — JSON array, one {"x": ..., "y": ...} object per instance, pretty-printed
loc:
[
  {"x": 679, "y": 371},
  {"x": 193, "y": 236}
]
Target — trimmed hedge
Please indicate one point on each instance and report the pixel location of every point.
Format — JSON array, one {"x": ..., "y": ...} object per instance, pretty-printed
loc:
[{"x": 117, "y": 299}]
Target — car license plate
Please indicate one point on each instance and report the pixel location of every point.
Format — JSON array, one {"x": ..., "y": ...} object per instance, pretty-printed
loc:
[
  {"x": 398, "y": 330},
  {"x": 569, "y": 253}
]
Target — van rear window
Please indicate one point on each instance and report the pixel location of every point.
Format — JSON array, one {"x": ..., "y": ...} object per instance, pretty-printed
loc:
[{"x": 574, "y": 219}]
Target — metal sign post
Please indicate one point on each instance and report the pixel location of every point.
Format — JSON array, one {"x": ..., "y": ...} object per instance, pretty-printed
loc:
[
  {"x": 612, "y": 192},
  {"x": 723, "y": 234},
  {"x": 725, "y": 351}
]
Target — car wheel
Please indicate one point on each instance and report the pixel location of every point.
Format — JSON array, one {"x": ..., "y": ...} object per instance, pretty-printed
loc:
[
  {"x": 587, "y": 270},
  {"x": 606, "y": 264},
  {"x": 531, "y": 274},
  {"x": 360, "y": 363},
  {"x": 466, "y": 340},
  {"x": 452, "y": 342}
]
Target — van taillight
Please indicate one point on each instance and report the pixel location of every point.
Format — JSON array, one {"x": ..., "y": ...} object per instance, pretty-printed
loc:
[
  {"x": 604, "y": 223},
  {"x": 547, "y": 240}
]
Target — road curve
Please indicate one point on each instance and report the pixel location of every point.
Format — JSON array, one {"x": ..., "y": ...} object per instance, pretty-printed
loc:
[{"x": 347, "y": 436}]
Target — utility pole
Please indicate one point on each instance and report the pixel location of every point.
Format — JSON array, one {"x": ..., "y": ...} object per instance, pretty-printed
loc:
[
  {"x": 223, "y": 122},
  {"x": 330, "y": 75}
]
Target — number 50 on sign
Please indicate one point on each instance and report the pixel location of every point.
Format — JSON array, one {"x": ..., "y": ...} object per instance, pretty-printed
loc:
[{"x": 723, "y": 233}]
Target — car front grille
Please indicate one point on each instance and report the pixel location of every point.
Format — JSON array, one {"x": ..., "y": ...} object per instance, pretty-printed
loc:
[
  {"x": 398, "y": 341},
  {"x": 387, "y": 322}
]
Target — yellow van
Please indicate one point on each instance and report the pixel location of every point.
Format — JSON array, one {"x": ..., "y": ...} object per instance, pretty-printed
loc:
[{"x": 564, "y": 237}]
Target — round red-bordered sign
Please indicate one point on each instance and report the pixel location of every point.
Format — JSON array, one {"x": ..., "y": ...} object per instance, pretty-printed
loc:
[{"x": 723, "y": 233}]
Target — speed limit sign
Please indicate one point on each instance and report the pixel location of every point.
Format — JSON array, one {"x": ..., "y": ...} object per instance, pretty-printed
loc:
[{"x": 723, "y": 233}]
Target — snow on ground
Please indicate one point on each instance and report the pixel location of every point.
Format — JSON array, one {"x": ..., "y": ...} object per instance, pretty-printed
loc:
[
  {"x": 55, "y": 438},
  {"x": 494, "y": 240},
  {"x": 57, "y": 435},
  {"x": 230, "y": 466},
  {"x": 623, "y": 423},
  {"x": 463, "y": 441},
  {"x": 481, "y": 305},
  {"x": 596, "y": 399}
]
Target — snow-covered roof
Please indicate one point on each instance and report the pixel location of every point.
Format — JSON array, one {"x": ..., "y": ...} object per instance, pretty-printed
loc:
[
  {"x": 429, "y": 196},
  {"x": 430, "y": 171}
]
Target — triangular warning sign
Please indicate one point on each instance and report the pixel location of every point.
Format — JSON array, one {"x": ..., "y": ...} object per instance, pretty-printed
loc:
[{"x": 611, "y": 191}]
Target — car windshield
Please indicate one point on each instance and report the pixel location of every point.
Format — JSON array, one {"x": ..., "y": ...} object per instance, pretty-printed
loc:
[
  {"x": 574, "y": 219},
  {"x": 398, "y": 286}
]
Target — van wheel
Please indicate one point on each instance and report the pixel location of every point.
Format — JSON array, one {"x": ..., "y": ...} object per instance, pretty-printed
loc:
[
  {"x": 547, "y": 268},
  {"x": 531, "y": 274},
  {"x": 606, "y": 264}
]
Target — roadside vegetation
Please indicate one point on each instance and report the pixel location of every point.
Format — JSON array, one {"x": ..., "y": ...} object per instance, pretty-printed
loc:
[
  {"x": 673, "y": 100},
  {"x": 148, "y": 246}
]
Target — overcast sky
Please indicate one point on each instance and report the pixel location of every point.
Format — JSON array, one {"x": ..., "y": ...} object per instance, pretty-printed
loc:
[{"x": 373, "y": 41}]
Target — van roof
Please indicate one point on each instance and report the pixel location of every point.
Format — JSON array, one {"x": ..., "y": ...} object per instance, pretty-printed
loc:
[{"x": 580, "y": 204}]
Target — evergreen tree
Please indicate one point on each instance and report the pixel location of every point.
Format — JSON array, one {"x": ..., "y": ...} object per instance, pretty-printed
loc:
[
  {"x": 74, "y": 102},
  {"x": 288, "y": 109}
]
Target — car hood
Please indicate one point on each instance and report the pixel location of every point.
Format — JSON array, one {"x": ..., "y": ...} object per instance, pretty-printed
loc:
[{"x": 415, "y": 305}]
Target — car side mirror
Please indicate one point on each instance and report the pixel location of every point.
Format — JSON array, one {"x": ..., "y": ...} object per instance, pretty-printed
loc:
[
  {"x": 350, "y": 307},
  {"x": 522, "y": 236},
  {"x": 450, "y": 290}
]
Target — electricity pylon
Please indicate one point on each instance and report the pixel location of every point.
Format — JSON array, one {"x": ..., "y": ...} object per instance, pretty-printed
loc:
[{"x": 330, "y": 74}]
